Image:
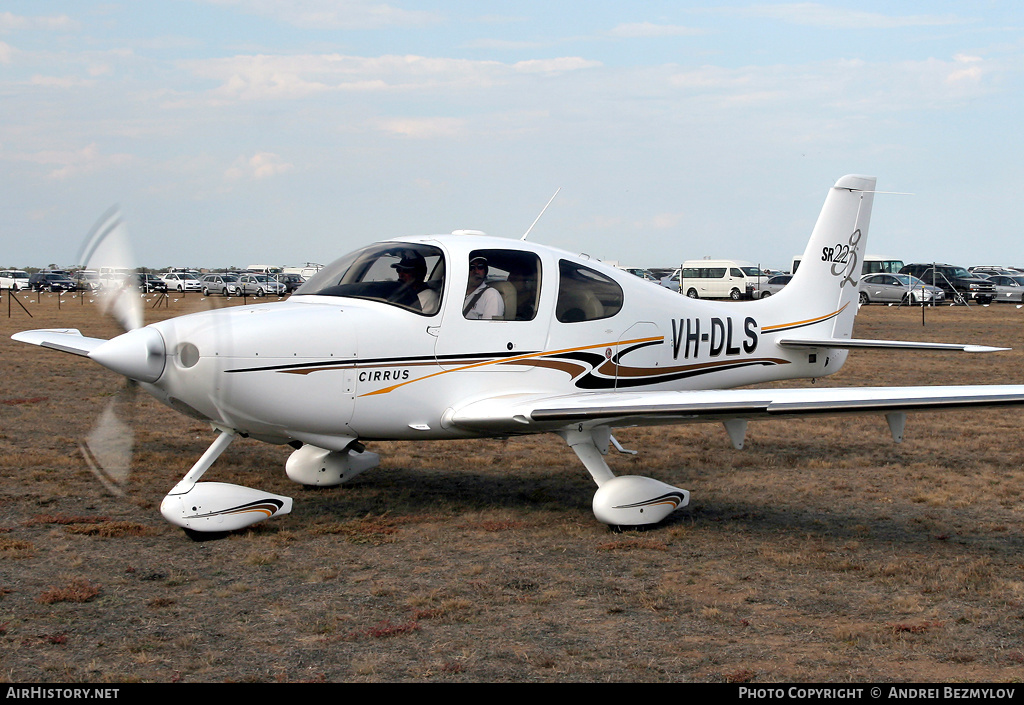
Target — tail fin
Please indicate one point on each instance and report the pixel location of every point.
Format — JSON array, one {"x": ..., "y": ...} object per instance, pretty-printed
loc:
[{"x": 823, "y": 294}]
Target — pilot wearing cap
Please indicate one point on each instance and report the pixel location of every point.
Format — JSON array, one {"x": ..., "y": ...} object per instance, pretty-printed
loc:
[
  {"x": 413, "y": 290},
  {"x": 482, "y": 301}
]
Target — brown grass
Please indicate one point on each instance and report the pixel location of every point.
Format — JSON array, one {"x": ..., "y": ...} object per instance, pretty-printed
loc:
[
  {"x": 821, "y": 552},
  {"x": 75, "y": 590}
]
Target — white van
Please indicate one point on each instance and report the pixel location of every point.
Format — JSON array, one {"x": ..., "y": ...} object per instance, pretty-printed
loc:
[
  {"x": 718, "y": 279},
  {"x": 14, "y": 279},
  {"x": 873, "y": 264}
]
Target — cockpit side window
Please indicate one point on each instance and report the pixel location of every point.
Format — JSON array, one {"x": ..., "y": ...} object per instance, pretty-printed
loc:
[
  {"x": 514, "y": 274},
  {"x": 410, "y": 276},
  {"x": 585, "y": 294}
]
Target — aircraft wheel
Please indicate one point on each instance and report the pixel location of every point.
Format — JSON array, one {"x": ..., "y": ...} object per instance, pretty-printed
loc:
[{"x": 200, "y": 536}]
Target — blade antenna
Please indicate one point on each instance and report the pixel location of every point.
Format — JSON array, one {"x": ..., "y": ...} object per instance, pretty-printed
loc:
[{"x": 527, "y": 233}]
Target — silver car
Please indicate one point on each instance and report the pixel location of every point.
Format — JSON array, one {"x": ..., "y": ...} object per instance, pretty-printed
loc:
[
  {"x": 223, "y": 284},
  {"x": 259, "y": 284},
  {"x": 772, "y": 285},
  {"x": 1009, "y": 289},
  {"x": 898, "y": 288}
]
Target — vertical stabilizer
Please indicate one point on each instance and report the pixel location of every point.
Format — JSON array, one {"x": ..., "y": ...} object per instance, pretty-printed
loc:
[{"x": 825, "y": 286}]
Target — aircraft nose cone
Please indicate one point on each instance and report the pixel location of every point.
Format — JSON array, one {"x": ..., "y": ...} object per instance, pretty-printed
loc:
[{"x": 138, "y": 354}]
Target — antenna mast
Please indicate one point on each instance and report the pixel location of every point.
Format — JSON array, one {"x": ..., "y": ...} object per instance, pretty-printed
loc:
[{"x": 540, "y": 214}]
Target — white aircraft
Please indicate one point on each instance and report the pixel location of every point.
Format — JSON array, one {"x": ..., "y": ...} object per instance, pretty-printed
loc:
[{"x": 394, "y": 342}]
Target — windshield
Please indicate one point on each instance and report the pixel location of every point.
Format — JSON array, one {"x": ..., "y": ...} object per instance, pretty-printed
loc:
[{"x": 406, "y": 275}]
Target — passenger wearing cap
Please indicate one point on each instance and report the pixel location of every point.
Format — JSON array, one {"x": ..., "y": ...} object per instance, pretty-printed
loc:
[
  {"x": 412, "y": 290},
  {"x": 482, "y": 301}
]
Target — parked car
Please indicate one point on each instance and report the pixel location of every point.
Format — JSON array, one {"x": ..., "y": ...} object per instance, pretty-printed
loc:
[
  {"x": 223, "y": 284},
  {"x": 772, "y": 285},
  {"x": 898, "y": 288},
  {"x": 957, "y": 282},
  {"x": 291, "y": 281},
  {"x": 1009, "y": 289},
  {"x": 51, "y": 281},
  {"x": 86, "y": 280},
  {"x": 986, "y": 270},
  {"x": 151, "y": 282},
  {"x": 14, "y": 279},
  {"x": 182, "y": 281},
  {"x": 259, "y": 285}
]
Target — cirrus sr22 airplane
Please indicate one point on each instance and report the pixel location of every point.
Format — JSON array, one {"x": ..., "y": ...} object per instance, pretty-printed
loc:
[{"x": 394, "y": 342}]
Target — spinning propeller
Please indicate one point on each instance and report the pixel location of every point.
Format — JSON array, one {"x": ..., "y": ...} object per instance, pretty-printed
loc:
[
  {"x": 140, "y": 355},
  {"x": 108, "y": 446}
]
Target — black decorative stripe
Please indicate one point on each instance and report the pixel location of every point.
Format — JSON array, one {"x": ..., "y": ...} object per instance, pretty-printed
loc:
[
  {"x": 268, "y": 505},
  {"x": 674, "y": 498},
  {"x": 393, "y": 361},
  {"x": 593, "y": 381}
]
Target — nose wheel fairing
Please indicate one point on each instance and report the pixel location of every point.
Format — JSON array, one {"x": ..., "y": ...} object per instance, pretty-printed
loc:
[{"x": 218, "y": 506}]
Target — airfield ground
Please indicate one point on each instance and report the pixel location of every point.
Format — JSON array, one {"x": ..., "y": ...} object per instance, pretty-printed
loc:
[{"x": 821, "y": 552}]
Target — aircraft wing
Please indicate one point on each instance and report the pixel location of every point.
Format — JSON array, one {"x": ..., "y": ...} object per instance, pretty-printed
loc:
[
  {"x": 527, "y": 413},
  {"x": 69, "y": 340}
]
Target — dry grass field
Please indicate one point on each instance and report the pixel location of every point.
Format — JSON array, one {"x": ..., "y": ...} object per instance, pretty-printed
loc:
[{"x": 821, "y": 552}]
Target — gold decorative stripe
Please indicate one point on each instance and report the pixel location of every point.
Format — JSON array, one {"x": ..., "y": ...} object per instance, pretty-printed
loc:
[
  {"x": 809, "y": 321},
  {"x": 505, "y": 360}
]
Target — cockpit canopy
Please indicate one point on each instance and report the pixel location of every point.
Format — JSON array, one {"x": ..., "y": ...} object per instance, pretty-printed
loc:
[
  {"x": 407, "y": 275},
  {"x": 411, "y": 275}
]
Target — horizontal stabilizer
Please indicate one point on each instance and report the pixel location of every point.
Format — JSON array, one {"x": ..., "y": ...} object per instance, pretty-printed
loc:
[
  {"x": 69, "y": 340},
  {"x": 850, "y": 343}
]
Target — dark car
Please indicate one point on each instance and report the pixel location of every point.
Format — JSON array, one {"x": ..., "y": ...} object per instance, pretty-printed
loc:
[
  {"x": 959, "y": 284},
  {"x": 291, "y": 281},
  {"x": 151, "y": 283},
  {"x": 51, "y": 281}
]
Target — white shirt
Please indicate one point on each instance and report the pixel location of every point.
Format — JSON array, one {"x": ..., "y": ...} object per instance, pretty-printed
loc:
[
  {"x": 488, "y": 306},
  {"x": 428, "y": 300}
]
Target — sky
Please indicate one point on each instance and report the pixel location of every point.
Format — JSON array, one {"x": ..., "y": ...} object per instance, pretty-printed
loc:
[{"x": 236, "y": 132}]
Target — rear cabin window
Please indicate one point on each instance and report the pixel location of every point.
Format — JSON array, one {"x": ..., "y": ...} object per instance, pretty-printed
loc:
[{"x": 585, "y": 294}]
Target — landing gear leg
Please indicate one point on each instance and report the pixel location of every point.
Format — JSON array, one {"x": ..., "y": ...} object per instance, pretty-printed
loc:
[
  {"x": 218, "y": 506},
  {"x": 629, "y": 500}
]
